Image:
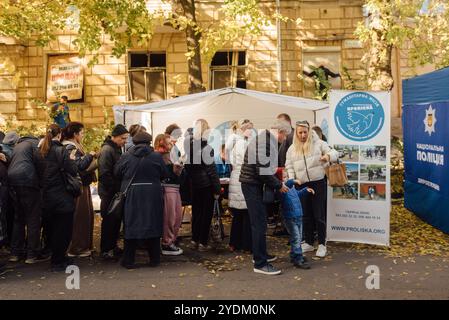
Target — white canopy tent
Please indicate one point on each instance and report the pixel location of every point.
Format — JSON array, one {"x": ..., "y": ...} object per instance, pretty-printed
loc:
[{"x": 220, "y": 106}]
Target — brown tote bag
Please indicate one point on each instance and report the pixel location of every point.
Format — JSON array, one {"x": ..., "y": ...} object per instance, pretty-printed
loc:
[{"x": 336, "y": 174}]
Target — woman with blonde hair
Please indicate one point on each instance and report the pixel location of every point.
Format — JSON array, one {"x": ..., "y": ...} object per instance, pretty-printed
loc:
[
  {"x": 306, "y": 159},
  {"x": 206, "y": 186}
]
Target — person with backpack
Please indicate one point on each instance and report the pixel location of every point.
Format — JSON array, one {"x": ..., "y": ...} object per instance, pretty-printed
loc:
[{"x": 59, "y": 201}]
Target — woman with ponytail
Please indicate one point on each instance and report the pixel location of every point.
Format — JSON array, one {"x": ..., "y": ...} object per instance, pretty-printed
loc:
[{"x": 58, "y": 203}]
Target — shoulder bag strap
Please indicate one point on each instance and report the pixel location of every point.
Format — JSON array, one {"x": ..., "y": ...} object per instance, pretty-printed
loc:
[
  {"x": 134, "y": 175},
  {"x": 305, "y": 163},
  {"x": 60, "y": 158},
  {"x": 217, "y": 209}
]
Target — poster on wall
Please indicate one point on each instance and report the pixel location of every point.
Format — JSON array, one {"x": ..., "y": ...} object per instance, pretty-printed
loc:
[
  {"x": 64, "y": 77},
  {"x": 359, "y": 129}
]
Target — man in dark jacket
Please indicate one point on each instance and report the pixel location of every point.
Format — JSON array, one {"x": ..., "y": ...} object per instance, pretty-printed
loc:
[
  {"x": 24, "y": 186},
  {"x": 258, "y": 173},
  {"x": 273, "y": 209},
  {"x": 283, "y": 148},
  {"x": 108, "y": 186}
]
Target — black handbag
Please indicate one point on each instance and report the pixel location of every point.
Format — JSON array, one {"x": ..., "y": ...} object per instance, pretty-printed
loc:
[
  {"x": 216, "y": 228},
  {"x": 117, "y": 204},
  {"x": 73, "y": 184}
]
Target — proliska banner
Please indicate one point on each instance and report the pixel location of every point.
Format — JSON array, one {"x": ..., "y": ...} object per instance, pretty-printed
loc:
[{"x": 359, "y": 129}]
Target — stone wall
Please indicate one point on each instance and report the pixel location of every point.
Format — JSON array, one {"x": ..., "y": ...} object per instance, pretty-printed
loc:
[{"x": 325, "y": 24}]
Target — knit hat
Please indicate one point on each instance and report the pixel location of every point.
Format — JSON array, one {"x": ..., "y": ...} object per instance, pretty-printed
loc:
[
  {"x": 11, "y": 138},
  {"x": 119, "y": 130},
  {"x": 142, "y": 137}
]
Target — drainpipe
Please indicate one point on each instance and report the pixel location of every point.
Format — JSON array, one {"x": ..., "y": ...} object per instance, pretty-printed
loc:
[{"x": 278, "y": 30}]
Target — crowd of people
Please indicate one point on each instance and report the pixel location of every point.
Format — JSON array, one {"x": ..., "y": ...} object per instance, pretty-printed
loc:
[{"x": 279, "y": 169}]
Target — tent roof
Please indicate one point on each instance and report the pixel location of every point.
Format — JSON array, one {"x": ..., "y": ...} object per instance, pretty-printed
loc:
[
  {"x": 184, "y": 101},
  {"x": 426, "y": 88}
]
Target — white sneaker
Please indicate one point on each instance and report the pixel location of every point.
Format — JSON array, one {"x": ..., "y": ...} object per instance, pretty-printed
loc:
[
  {"x": 307, "y": 247},
  {"x": 321, "y": 252},
  {"x": 171, "y": 250},
  {"x": 85, "y": 254}
]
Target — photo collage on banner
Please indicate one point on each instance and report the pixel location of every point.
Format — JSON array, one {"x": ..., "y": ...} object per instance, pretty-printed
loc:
[{"x": 360, "y": 133}]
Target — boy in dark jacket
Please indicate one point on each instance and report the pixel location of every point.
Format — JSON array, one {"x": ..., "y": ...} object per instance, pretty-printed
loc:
[
  {"x": 292, "y": 212},
  {"x": 108, "y": 186}
]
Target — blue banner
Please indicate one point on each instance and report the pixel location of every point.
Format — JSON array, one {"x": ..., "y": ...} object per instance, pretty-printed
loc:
[{"x": 426, "y": 156}]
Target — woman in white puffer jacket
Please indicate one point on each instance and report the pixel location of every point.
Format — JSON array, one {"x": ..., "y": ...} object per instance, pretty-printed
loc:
[
  {"x": 240, "y": 238},
  {"x": 306, "y": 160}
]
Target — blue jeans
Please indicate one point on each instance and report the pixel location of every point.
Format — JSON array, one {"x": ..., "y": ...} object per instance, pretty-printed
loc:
[
  {"x": 258, "y": 220},
  {"x": 294, "y": 228}
]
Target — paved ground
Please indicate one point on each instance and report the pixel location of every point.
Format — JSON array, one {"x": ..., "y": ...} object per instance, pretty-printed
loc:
[{"x": 226, "y": 275}]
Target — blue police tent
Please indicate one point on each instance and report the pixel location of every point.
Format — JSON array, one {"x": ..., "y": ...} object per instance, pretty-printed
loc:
[{"x": 425, "y": 122}]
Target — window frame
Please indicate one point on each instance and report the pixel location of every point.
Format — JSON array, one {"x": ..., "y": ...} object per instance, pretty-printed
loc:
[
  {"x": 146, "y": 70},
  {"x": 233, "y": 67}
]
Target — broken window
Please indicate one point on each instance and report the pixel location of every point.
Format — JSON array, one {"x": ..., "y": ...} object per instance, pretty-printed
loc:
[
  {"x": 228, "y": 69},
  {"x": 147, "y": 76}
]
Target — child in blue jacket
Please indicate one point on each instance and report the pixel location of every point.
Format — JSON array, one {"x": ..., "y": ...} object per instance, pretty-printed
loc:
[{"x": 292, "y": 212}]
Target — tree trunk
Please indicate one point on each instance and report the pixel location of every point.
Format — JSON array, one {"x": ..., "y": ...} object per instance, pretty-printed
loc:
[
  {"x": 193, "y": 44},
  {"x": 380, "y": 77}
]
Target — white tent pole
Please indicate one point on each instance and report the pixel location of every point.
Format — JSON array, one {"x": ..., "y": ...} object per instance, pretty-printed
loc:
[{"x": 151, "y": 119}]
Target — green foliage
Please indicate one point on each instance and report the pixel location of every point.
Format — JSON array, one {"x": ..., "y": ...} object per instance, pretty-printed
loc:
[
  {"x": 11, "y": 124},
  {"x": 126, "y": 23},
  {"x": 403, "y": 23},
  {"x": 397, "y": 167},
  {"x": 93, "y": 136},
  {"x": 322, "y": 84}
]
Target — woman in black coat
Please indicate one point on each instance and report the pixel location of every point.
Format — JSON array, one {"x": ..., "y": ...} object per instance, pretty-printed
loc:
[
  {"x": 143, "y": 212},
  {"x": 58, "y": 203},
  {"x": 206, "y": 186}
]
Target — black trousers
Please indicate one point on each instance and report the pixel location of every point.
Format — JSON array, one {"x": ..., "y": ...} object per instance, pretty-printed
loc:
[
  {"x": 153, "y": 246},
  {"x": 46, "y": 232},
  {"x": 27, "y": 215},
  {"x": 258, "y": 217},
  {"x": 202, "y": 211},
  {"x": 240, "y": 237},
  {"x": 61, "y": 235},
  {"x": 110, "y": 227},
  {"x": 314, "y": 211}
]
